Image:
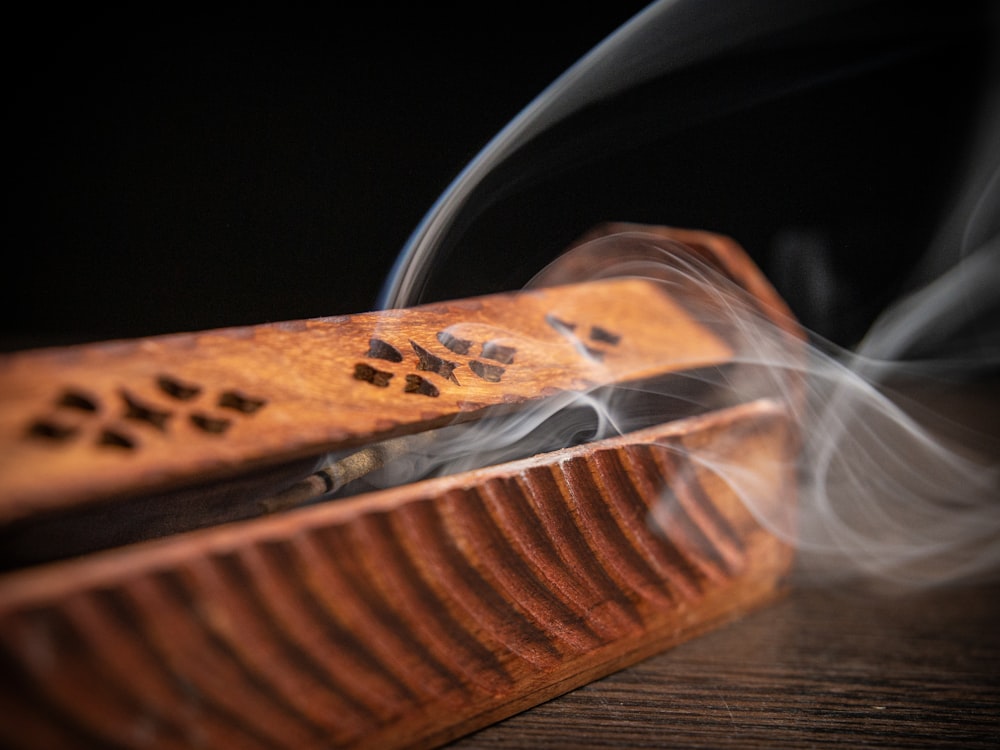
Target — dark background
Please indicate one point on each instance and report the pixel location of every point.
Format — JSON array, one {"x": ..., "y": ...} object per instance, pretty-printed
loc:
[{"x": 181, "y": 171}]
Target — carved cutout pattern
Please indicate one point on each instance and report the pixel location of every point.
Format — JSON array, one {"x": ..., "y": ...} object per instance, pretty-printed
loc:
[
  {"x": 428, "y": 361},
  {"x": 597, "y": 335},
  {"x": 599, "y": 339},
  {"x": 369, "y": 374},
  {"x": 121, "y": 422},
  {"x": 379, "y": 349}
]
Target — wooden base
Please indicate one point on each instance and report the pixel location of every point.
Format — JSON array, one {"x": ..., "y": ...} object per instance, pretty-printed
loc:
[
  {"x": 403, "y": 618},
  {"x": 153, "y": 599}
]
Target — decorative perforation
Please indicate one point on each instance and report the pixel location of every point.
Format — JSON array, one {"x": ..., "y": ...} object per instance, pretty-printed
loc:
[
  {"x": 124, "y": 420},
  {"x": 490, "y": 366},
  {"x": 425, "y": 360},
  {"x": 598, "y": 339}
]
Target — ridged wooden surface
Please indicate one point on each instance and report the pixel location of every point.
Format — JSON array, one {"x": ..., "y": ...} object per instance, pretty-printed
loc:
[{"x": 404, "y": 618}]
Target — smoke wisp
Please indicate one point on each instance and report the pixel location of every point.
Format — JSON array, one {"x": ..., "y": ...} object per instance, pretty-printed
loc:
[
  {"x": 899, "y": 463},
  {"x": 890, "y": 487}
]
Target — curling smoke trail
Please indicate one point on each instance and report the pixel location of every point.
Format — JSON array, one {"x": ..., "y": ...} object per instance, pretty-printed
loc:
[
  {"x": 667, "y": 37},
  {"x": 885, "y": 491},
  {"x": 880, "y": 492}
]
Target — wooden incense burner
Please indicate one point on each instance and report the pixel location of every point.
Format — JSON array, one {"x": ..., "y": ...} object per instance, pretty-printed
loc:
[{"x": 159, "y": 589}]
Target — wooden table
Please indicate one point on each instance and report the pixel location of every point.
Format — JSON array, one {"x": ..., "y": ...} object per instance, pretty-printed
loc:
[{"x": 825, "y": 666}]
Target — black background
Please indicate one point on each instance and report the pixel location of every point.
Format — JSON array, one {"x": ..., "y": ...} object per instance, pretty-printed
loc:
[{"x": 195, "y": 170}]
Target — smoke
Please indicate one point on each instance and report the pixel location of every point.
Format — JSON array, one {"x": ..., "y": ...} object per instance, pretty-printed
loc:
[
  {"x": 899, "y": 462},
  {"x": 890, "y": 487},
  {"x": 667, "y": 37},
  {"x": 677, "y": 66}
]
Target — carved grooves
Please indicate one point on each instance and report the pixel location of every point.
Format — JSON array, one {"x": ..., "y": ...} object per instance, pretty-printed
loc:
[
  {"x": 270, "y": 659},
  {"x": 551, "y": 546},
  {"x": 607, "y": 539},
  {"x": 503, "y": 624},
  {"x": 504, "y": 563},
  {"x": 333, "y": 635},
  {"x": 340, "y": 590},
  {"x": 685, "y": 512},
  {"x": 53, "y": 708},
  {"x": 423, "y": 608},
  {"x": 660, "y": 559},
  {"x": 172, "y": 613}
]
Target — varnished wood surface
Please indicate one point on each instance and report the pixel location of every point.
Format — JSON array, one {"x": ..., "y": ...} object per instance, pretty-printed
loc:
[
  {"x": 81, "y": 424},
  {"x": 398, "y": 619},
  {"x": 844, "y": 665},
  {"x": 116, "y": 442},
  {"x": 825, "y": 667},
  {"x": 403, "y": 618}
]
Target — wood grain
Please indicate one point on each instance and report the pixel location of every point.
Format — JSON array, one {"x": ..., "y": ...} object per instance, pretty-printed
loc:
[
  {"x": 84, "y": 424},
  {"x": 826, "y": 666},
  {"x": 839, "y": 662},
  {"x": 407, "y": 617},
  {"x": 404, "y": 618}
]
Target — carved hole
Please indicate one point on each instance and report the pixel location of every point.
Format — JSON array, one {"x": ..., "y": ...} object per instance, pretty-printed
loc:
[
  {"x": 369, "y": 374},
  {"x": 379, "y": 349},
  {"x": 433, "y": 363},
  {"x": 562, "y": 326},
  {"x": 604, "y": 336},
  {"x": 49, "y": 430},
  {"x": 77, "y": 400},
  {"x": 213, "y": 425},
  {"x": 454, "y": 343},
  {"x": 568, "y": 330},
  {"x": 140, "y": 412},
  {"x": 239, "y": 402},
  {"x": 177, "y": 389},
  {"x": 498, "y": 352},
  {"x": 488, "y": 372},
  {"x": 116, "y": 439},
  {"x": 417, "y": 384}
]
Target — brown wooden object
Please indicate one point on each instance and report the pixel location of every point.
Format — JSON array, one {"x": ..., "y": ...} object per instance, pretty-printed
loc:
[
  {"x": 84, "y": 424},
  {"x": 399, "y": 618}
]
